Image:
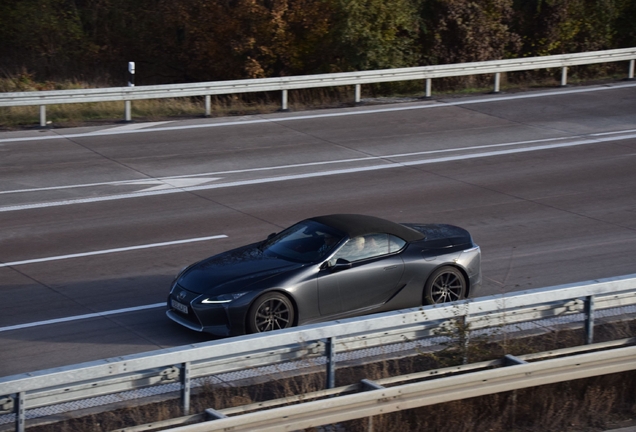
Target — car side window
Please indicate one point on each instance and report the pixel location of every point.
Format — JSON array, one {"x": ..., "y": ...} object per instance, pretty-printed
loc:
[
  {"x": 395, "y": 243},
  {"x": 363, "y": 247}
]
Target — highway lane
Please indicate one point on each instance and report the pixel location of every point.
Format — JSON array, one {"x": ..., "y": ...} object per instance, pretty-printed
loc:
[{"x": 545, "y": 184}]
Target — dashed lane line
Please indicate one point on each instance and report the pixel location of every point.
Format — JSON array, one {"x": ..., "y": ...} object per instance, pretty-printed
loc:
[
  {"x": 109, "y": 251},
  {"x": 81, "y": 317}
]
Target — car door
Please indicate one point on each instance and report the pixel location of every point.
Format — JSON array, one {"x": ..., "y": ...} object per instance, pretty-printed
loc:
[{"x": 372, "y": 278}]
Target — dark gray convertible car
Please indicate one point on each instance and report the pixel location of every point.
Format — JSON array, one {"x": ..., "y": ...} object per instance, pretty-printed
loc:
[{"x": 325, "y": 268}]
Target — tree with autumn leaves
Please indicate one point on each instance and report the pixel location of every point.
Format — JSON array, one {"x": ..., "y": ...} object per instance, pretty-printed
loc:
[{"x": 205, "y": 40}]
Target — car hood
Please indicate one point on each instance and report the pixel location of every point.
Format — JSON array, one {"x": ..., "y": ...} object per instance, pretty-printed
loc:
[{"x": 233, "y": 270}]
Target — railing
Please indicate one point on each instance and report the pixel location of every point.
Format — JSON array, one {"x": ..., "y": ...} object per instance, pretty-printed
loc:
[
  {"x": 284, "y": 84},
  {"x": 183, "y": 365},
  {"x": 370, "y": 398}
]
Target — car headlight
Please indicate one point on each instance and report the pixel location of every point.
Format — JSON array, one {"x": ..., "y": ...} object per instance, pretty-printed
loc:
[{"x": 223, "y": 298}]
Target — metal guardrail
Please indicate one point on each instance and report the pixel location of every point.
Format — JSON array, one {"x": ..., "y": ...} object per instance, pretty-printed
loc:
[
  {"x": 182, "y": 365},
  {"x": 284, "y": 84},
  {"x": 371, "y": 398}
]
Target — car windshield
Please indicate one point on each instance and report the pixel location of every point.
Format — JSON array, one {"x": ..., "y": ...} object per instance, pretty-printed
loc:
[{"x": 307, "y": 241}]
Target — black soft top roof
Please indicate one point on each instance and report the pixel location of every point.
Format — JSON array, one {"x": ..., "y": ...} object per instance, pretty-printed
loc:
[{"x": 355, "y": 225}]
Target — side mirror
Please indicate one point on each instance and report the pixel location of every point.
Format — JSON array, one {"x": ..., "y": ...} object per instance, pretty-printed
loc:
[
  {"x": 270, "y": 236},
  {"x": 341, "y": 264}
]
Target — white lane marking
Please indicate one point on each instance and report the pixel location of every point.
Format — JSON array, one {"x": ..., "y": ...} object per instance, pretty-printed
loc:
[
  {"x": 158, "y": 183},
  {"x": 326, "y": 115},
  {"x": 109, "y": 251},
  {"x": 174, "y": 183},
  {"x": 81, "y": 317},
  {"x": 279, "y": 167},
  {"x": 191, "y": 177},
  {"x": 388, "y": 165},
  {"x": 134, "y": 126}
]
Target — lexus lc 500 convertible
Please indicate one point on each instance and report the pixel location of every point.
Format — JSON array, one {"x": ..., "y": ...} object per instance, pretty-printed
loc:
[{"x": 326, "y": 268}]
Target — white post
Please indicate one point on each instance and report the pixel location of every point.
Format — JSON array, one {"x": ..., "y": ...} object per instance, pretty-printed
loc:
[
  {"x": 564, "y": 76},
  {"x": 358, "y": 93},
  {"x": 284, "y": 103},
  {"x": 42, "y": 115},
  {"x": 428, "y": 87},
  {"x": 497, "y": 82},
  {"x": 131, "y": 74},
  {"x": 630, "y": 75},
  {"x": 208, "y": 105},
  {"x": 589, "y": 320},
  {"x": 131, "y": 83}
]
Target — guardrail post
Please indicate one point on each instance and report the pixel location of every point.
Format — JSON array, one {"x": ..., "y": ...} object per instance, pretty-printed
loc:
[
  {"x": 370, "y": 385},
  {"x": 428, "y": 87},
  {"x": 564, "y": 76},
  {"x": 497, "y": 82},
  {"x": 630, "y": 74},
  {"x": 127, "y": 111},
  {"x": 284, "y": 101},
  {"x": 42, "y": 115},
  {"x": 330, "y": 353},
  {"x": 20, "y": 412},
  {"x": 589, "y": 320},
  {"x": 208, "y": 105},
  {"x": 185, "y": 388},
  {"x": 358, "y": 93},
  {"x": 464, "y": 335}
]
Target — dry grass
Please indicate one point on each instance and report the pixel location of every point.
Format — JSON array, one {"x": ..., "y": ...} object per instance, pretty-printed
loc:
[
  {"x": 82, "y": 114},
  {"x": 582, "y": 405}
]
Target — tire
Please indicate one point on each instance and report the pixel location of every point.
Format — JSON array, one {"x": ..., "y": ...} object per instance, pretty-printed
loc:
[
  {"x": 272, "y": 311},
  {"x": 446, "y": 284}
]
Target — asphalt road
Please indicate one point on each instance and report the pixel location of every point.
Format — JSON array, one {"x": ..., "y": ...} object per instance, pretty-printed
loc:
[{"x": 95, "y": 222}]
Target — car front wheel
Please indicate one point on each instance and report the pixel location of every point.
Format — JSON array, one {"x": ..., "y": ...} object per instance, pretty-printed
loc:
[
  {"x": 446, "y": 284},
  {"x": 272, "y": 311}
]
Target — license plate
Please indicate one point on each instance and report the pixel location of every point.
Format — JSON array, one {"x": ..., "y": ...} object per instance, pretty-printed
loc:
[{"x": 178, "y": 306}]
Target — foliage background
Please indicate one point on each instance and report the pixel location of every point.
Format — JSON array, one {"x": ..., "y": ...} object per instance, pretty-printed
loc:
[{"x": 175, "y": 41}]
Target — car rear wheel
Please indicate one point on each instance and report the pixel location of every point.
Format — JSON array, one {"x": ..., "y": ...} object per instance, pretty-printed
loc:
[
  {"x": 272, "y": 311},
  {"x": 446, "y": 284}
]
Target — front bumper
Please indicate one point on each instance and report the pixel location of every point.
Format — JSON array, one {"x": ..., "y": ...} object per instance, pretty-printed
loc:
[{"x": 217, "y": 319}]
